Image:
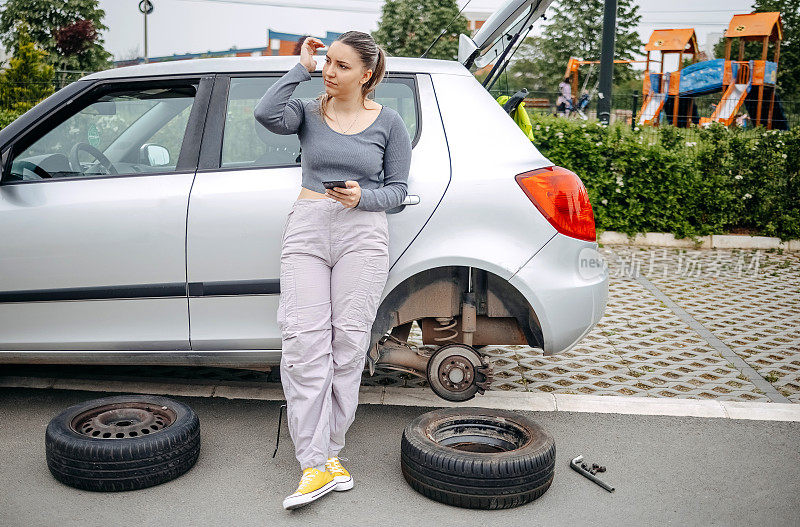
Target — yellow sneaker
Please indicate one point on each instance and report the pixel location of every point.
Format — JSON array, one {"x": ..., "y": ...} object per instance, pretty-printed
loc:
[
  {"x": 343, "y": 479},
  {"x": 314, "y": 484}
]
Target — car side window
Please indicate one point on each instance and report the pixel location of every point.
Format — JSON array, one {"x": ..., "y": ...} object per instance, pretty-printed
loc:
[
  {"x": 115, "y": 132},
  {"x": 247, "y": 144}
]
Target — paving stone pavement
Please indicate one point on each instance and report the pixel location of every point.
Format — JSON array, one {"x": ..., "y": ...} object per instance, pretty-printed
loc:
[{"x": 747, "y": 303}]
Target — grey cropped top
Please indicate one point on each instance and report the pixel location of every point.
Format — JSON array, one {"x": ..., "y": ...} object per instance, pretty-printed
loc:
[{"x": 378, "y": 157}]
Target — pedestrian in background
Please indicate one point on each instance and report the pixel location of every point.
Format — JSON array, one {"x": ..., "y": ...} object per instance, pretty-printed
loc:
[{"x": 564, "y": 101}]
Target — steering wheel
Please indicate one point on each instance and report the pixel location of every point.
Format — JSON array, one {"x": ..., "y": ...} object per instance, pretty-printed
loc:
[{"x": 75, "y": 164}]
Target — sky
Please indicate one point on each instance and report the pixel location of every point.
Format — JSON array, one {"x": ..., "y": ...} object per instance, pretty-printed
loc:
[{"x": 181, "y": 26}]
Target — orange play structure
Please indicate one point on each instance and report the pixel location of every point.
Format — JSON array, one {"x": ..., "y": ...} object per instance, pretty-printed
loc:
[
  {"x": 673, "y": 93},
  {"x": 741, "y": 76},
  {"x": 669, "y": 96},
  {"x": 657, "y": 87}
]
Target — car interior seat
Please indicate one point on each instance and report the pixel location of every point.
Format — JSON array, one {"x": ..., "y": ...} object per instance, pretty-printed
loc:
[{"x": 280, "y": 149}]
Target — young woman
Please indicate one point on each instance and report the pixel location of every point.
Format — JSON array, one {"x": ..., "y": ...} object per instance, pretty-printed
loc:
[
  {"x": 335, "y": 247},
  {"x": 564, "y": 101}
]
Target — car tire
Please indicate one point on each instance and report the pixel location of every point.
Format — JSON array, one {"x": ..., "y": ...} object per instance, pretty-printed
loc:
[
  {"x": 477, "y": 458},
  {"x": 123, "y": 442}
]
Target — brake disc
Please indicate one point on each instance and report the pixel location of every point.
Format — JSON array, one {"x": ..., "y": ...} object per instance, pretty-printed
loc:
[{"x": 456, "y": 372}]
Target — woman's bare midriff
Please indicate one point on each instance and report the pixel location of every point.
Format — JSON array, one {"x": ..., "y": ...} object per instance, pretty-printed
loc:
[{"x": 310, "y": 194}]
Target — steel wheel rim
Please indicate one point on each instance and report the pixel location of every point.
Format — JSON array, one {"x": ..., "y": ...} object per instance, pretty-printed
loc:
[
  {"x": 479, "y": 434},
  {"x": 123, "y": 420}
]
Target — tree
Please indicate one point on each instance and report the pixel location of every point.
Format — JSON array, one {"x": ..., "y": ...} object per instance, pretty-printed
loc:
[
  {"x": 408, "y": 27},
  {"x": 789, "y": 61},
  {"x": 576, "y": 30},
  {"x": 68, "y": 31},
  {"x": 75, "y": 38},
  {"x": 28, "y": 79}
]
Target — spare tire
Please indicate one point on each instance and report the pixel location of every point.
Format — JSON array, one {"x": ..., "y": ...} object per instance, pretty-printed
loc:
[
  {"x": 123, "y": 442},
  {"x": 477, "y": 458}
]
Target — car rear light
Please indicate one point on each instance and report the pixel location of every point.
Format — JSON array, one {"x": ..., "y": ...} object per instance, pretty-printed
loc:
[{"x": 560, "y": 195}]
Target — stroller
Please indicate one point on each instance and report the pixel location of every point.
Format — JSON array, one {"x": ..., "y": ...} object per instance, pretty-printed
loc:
[
  {"x": 583, "y": 103},
  {"x": 578, "y": 107}
]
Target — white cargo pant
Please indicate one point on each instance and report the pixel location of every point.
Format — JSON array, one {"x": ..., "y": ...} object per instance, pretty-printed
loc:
[{"x": 334, "y": 266}]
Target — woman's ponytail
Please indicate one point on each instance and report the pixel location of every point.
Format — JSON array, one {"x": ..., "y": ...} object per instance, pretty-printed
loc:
[{"x": 378, "y": 72}]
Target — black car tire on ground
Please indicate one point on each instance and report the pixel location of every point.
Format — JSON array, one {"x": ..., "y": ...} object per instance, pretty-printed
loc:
[
  {"x": 123, "y": 442},
  {"x": 477, "y": 458}
]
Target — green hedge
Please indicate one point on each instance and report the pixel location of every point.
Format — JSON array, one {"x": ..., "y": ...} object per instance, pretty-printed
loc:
[{"x": 690, "y": 182}]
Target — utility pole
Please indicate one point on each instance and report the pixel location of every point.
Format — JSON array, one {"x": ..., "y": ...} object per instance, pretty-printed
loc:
[
  {"x": 607, "y": 61},
  {"x": 146, "y": 7}
]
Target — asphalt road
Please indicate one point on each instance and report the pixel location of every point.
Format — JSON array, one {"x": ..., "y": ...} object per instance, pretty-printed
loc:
[{"x": 666, "y": 470}]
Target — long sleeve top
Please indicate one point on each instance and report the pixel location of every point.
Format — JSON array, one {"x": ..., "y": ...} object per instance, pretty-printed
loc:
[
  {"x": 564, "y": 92},
  {"x": 378, "y": 158}
]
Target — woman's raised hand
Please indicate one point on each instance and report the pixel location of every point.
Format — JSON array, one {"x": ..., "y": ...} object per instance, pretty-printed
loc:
[{"x": 307, "y": 50}]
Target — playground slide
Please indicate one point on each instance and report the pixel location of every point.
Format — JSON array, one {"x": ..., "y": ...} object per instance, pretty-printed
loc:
[
  {"x": 731, "y": 101},
  {"x": 651, "y": 109}
]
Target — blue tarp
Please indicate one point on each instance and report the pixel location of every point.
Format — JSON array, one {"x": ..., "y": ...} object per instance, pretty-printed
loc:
[
  {"x": 655, "y": 82},
  {"x": 702, "y": 77},
  {"x": 706, "y": 77},
  {"x": 770, "y": 73}
]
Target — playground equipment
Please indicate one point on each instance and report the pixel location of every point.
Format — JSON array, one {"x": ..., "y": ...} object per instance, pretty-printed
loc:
[
  {"x": 738, "y": 79},
  {"x": 573, "y": 65},
  {"x": 658, "y": 87},
  {"x": 673, "y": 93},
  {"x": 740, "y": 76}
]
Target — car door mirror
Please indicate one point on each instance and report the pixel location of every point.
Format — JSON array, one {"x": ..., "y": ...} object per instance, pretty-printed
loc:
[{"x": 153, "y": 155}]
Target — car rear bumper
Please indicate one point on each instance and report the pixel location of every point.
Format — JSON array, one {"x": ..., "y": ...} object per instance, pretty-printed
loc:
[{"x": 566, "y": 284}]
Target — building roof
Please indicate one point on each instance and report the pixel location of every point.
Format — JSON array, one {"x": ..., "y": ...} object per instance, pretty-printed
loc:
[
  {"x": 756, "y": 25},
  {"x": 673, "y": 40},
  {"x": 276, "y": 63}
]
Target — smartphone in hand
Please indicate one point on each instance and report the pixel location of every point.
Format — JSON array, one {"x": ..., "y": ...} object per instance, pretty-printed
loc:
[{"x": 334, "y": 183}]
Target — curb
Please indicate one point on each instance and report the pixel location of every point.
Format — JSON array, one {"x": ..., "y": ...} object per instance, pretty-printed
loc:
[
  {"x": 423, "y": 397},
  {"x": 713, "y": 241}
]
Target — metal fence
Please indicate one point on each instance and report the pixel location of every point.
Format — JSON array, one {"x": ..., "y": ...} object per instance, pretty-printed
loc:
[{"x": 626, "y": 108}]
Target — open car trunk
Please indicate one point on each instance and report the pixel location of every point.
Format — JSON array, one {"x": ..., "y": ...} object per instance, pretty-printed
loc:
[{"x": 500, "y": 36}]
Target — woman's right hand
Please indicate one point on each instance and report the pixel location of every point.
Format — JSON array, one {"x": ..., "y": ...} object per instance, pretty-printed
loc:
[{"x": 307, "y": 50}]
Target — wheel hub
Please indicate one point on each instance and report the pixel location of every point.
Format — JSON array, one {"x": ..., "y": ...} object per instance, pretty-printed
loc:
[{"x": 456, "y": 374}]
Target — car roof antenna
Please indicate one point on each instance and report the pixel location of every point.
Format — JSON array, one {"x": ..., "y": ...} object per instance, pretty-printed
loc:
[{"x": 443, "y": 31}]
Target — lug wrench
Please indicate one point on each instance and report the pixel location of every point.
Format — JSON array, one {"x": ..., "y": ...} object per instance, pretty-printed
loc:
[{"x": 576, "y": 466}]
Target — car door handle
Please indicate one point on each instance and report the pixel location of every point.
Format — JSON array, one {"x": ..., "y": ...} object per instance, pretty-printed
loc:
[{"x": 411, "y": 199}]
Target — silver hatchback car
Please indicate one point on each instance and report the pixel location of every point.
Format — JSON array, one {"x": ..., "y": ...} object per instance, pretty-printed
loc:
[{"x": 141, "y": 211}]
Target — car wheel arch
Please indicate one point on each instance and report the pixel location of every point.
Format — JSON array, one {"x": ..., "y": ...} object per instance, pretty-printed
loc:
[{"x": 437, "y": 292}]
